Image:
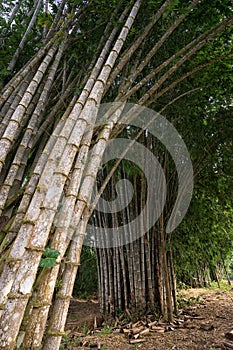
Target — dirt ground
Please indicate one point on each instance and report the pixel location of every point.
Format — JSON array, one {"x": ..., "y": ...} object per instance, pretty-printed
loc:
[{"x": 202, "y": 323}]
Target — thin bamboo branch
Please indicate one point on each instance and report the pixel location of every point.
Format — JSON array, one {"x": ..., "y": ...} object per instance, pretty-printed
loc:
[
  {"x": 189, "y": 54},
  {"x": 186, "y": 75},
  {"x": 23, "y": 72},
  {"x": 24, "y": 38},
  {"x": 162, "y": 66},
  {"x": 154, "y": 50},
  {"x": 12, "y": 17}
]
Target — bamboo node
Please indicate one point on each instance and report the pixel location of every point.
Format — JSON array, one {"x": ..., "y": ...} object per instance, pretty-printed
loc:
[
  {"x": 5, "y": 138},
  {"x": 2, "y": 306},
  {"x": 27, "y": 221},
  {"x": 61, "y": 173},
  {"x": 34, "y": 248},
  {"x": 56, "y": 333},
  {"x": 62, "y": 296},
  {"x": 72, "y": 263},
  {"x": 11, "y": 261},
  {"x": 37, "y": 305},
  {"x": 18, "y": 295}
]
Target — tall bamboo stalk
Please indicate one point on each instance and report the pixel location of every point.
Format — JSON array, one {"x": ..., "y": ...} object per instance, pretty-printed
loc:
[{"x": 24, "y": 38}]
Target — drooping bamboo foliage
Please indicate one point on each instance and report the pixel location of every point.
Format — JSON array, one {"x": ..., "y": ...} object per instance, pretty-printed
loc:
[{"x": 50, "y": 153}]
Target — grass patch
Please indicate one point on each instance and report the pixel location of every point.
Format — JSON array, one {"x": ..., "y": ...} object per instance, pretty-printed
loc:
[
  {"x": 107, "y": 329},
  {"x": 224, "y": 286}
]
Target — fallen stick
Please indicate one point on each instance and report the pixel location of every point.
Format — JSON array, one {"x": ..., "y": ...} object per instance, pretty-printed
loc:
[
  {"x": 187, "y": 317},
  {"x": 158, "y": 329},
  {"x": 152, "y": 323},
  {"x": 137, "y": 330},
  {"x": 145, "y": 332},
  {"x": 134, "y": 341}
]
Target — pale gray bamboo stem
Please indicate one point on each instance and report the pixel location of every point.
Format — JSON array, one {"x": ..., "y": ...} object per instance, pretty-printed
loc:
[
  {"x": 9, "y": 134},
  {"x": 24, "y": 38},
  {"x": 18, "y": 77}
]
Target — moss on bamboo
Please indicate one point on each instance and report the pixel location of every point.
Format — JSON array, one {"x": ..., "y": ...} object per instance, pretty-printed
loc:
[
  {"x": 72, "y": 263},
  {"x": 27, "y": 221},
  {"x": 41, "y": 304},
  {"x": 12, "y": 261},
  {"x": 62, "y": 296},
  {"x": 2, "y": 306},
  {"x": 18, "y": 295},
  {"x": 34, "y": 248},
  {"x": 56, "y": 333},
  {"x": 7, "y": 227},
  {"x": 14, "y": 198}
]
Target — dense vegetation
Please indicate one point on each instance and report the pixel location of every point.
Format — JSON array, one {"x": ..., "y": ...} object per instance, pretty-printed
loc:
[{"x": 59, "y": 60}]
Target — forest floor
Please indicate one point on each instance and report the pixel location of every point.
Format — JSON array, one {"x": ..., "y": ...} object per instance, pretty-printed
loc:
[{"x": 204, "y": 321}]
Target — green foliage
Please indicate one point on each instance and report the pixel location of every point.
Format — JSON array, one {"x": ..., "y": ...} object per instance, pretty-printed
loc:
[
  {"x": 224, "y": 286},
  {"x": 12, "y": 31},
  {"x": 231, "y": 267},
  {"x": 84, "y": 329},
  {"x": 86, "y": 283},
  {"x": 49, "y": 257},
  {"x": 205, "y": 238},
  {"x": 184, "y": 302},
  {"x": 44, "y": 20},
  {"x": 107, "y": 329},
  {"x": 104, "y": 347}
]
